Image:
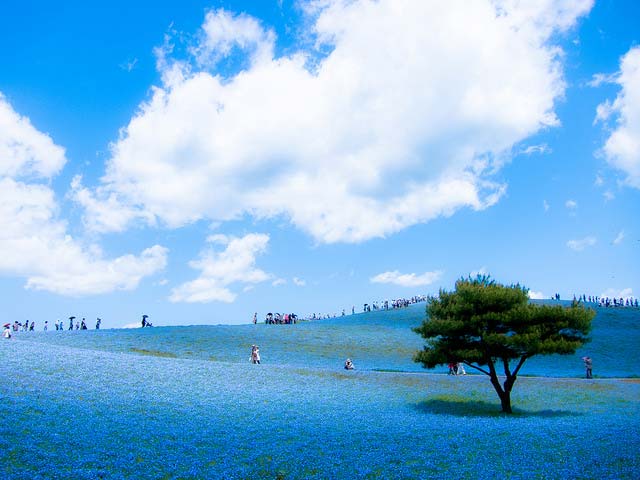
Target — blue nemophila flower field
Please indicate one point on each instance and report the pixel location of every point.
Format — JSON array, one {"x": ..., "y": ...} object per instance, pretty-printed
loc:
[{"x": 185, "y": 402}]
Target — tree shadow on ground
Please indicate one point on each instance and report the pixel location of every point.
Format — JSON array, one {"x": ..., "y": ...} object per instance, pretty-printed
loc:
[{"x": 475, "y": 408}]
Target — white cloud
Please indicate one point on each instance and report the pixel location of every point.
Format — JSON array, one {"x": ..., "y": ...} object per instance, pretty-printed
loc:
[
  {"x": 129, "y": 65},
  {"x": 299, "y": 282},
  {"x": 37, "y": 247},
  {"x": 132, "y": 325},
  {"x": 608, "y": 196},
  {"x": 538, "y": 149},
  {"x": 581, "y": 244},
  {"x": 407, "y": 279},
  {"x": 622, "y": 148},
  {"x": 603, "y": 112},
  {"x": 533, "y": 295},
  {"x": 545, "y": 205},
  {"x": 25, "y": 151},
  {"x": 34, "y": 241},
  {"x": 571, "y": 204},
  {"x": 480, "y": 271},
  {"x": 406, "y": 118},
  {"x": 619, "y": 238},
  {"x": 88, "y": 275},
  {"x": 602, "y": 78},
  {"x": 615, "y": 293},
  {"x": 220, "y": 269},
  {"x": 278, "y": 281},
  {"x": 223, "y": 32},
  {"x": 108, "y": 214}
]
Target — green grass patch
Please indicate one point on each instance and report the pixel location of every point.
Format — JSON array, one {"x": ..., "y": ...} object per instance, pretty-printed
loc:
[{"x": 153, "y": 353}]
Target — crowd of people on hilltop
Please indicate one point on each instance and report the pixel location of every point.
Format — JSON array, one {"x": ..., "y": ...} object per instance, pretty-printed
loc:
[
  {"x": 393, "y": 304},
  {"x": 59, "y": 325},
  {"x": 292, "y": 318},
  {"x": 278, "y": 319},
  {"x": 604, "y": 301},
  {"x": 609, "y": 302}
]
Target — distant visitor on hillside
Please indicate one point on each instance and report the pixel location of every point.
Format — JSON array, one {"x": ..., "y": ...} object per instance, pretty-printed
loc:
[
  {"x": 255, "y": 354},
  {"x": 348, "y": 364},
  {"x": 588, "y": 365}
]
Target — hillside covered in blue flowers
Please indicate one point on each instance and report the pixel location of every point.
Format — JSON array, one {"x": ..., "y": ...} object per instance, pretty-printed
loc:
[{"x": 185, "y": 402}]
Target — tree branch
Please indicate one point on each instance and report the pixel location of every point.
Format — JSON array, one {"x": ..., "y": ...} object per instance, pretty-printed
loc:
[
  {"x": 477, "y": 368},
  {"x": 505, "y": 363},
  {"x": 520, "y": 363}
]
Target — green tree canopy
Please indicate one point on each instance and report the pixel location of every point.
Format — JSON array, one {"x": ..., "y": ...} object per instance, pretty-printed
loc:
[{"x": 484, "y": 324}]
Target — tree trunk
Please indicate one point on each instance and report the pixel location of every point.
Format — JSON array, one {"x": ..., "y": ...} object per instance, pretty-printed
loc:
[
  {"x": 505, "y": 401},
  {"x": 503, "y": 393}
]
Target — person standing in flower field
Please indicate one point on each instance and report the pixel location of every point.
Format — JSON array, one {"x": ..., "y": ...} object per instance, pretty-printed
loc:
[
  {"x": 255, "y": 354},
  {"x": 588, "y": 365}
]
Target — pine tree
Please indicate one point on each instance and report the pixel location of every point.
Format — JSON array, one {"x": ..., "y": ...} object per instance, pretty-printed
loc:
[{"x": 484, "y": 324}]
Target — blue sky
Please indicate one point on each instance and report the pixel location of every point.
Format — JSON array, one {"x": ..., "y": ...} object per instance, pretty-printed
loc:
[{"x": 203, "y": 162}]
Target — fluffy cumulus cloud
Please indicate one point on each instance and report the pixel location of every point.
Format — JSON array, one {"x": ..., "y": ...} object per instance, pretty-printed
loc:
[
  {"x": 25, "y": 151},
  {"x": 534, "y": 295},
  {"x": 619, "y": 238},
  {"x": 622, "y": 148},
  {"x": 582, "y": 243},
  {"x": 479, "y": 271},
  {"x": 399, "y": 113},
  {"x": 34, "y": 241},
  {"x": 220, "y": 269},
  {"x": 407, "y": 279},
  {"x": 625, "y": 293}
]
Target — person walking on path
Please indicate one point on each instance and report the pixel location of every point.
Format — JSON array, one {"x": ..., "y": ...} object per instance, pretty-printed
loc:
[{"x": 588, "y": 365}]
